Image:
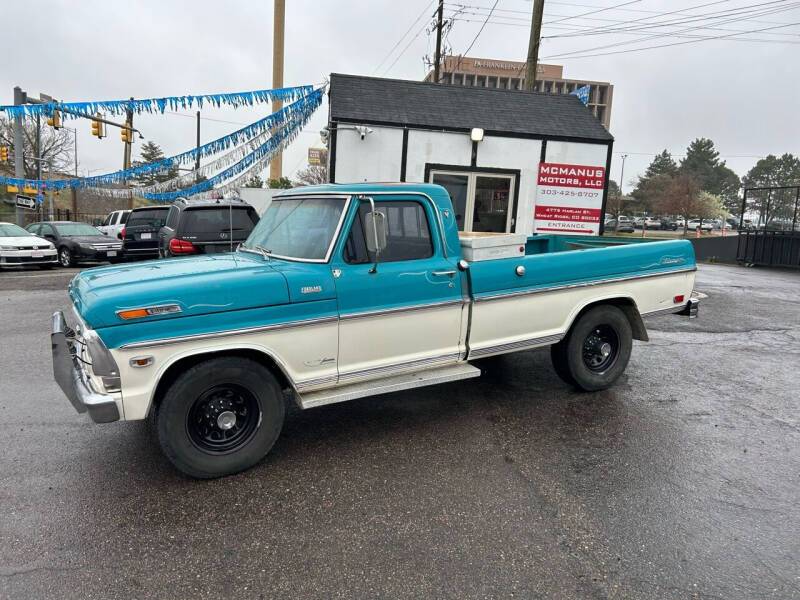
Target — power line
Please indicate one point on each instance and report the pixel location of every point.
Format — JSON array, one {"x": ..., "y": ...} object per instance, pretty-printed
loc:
[
  {"x": 477, "y": 35},
  {"x": 407, "y": 46},
  {"x": 667, "y": 45},
  {"x": 402, "y": 37},
  {"x": 685, "y": 30},
  {"x": 592, "y": 12}
]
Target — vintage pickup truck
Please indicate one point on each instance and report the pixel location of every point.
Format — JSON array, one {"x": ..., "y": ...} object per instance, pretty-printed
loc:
[{"x": 342, "y": 292}]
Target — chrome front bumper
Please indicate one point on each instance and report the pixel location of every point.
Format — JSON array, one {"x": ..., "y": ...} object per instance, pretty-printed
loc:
[{"x": 73, "y": 380}]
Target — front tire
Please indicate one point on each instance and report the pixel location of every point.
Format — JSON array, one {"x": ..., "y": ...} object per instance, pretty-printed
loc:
[
  {"x": 220, "y": 417},
  {"x": 65, "y": 257},
  {"x": 596, "y": 350}
]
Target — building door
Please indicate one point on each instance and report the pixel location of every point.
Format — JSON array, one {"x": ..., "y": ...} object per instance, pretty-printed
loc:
[{"x": 482, "y": 201}]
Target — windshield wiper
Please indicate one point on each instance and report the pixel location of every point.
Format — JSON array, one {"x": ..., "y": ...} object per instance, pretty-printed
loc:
[{"x": 260, "y": 249}]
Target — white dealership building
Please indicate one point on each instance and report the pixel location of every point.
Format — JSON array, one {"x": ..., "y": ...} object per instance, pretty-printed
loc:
[{"x": 511, "y": 160}]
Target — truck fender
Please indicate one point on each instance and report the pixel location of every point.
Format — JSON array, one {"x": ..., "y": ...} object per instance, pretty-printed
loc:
[
  {"x": 182, "y": 361},
  {"x": 627, "y": 305}
]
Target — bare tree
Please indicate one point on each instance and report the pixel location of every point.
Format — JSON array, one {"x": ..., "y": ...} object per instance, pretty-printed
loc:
[
  {"x": 57, "y": 145},
  {"x": 312, "y": 175},
  {"x": 682, "y": 198}
]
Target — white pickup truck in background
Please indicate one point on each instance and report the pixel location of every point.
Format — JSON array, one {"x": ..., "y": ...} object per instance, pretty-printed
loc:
[{"x": 113, "y": 223}]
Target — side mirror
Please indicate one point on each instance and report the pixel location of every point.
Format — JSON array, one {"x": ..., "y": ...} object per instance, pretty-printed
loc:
[{"x": 375, "y": 231}]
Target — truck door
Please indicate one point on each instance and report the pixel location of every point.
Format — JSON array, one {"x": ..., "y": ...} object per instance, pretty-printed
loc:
[{"x": 406, "y": 314}]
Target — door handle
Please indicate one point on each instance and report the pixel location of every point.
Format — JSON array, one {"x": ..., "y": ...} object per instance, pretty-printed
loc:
[{"x": 443, "y": 273}]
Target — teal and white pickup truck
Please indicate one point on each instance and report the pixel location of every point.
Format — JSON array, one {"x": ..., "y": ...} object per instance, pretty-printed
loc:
[{"x": 342, "y": 292}]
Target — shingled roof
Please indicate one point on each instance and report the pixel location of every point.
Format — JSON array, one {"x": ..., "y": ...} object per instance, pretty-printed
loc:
[{"x": 355, "y": 98}]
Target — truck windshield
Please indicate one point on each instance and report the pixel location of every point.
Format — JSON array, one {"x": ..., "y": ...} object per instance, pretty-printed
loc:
[{"x": 301, "y": 228}]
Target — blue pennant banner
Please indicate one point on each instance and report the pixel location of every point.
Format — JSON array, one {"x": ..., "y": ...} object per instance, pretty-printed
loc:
[
  {"x": 298, "y": 111},
  {"x": 157, "y": 105},
  {"x": 583, "y": 94}
]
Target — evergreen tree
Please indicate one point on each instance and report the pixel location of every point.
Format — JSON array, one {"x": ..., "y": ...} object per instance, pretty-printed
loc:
[
  {"x": 151, "y": 152},
  {"x": 772, "y": 170},
  {"x": 254, "y": 182},
  {"x": 702, "y": 163},
  {"x": 284, "y": 183},
  {"x": 650, "y": 185}
]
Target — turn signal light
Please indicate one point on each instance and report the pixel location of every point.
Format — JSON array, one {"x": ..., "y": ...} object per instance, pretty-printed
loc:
[
  {"x": 678, "y": 299},
  {"x": 177, "y": 246},
  {"x": 135, "y": 313}
]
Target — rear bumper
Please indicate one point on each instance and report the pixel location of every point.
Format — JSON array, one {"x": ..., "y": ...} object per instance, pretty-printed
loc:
[
  {"x": 690, "y": 310},
  {"x": 73, "y": 380}
]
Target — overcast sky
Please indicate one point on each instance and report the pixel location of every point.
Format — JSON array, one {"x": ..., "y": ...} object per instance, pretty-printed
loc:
[{"x": 743, "y": 95}]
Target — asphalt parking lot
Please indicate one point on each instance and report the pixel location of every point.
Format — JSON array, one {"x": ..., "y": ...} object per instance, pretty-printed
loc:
[{"x": 681, "y": 482}]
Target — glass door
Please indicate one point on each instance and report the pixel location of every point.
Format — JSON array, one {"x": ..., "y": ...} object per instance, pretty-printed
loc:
[
  {"x": 457, "y": 185},
  {"x": 482, "y": 201},
  {"x": 491, "y": 204}
]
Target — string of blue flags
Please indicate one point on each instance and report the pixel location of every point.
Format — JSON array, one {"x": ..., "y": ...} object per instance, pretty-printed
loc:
[
  {"x": 291, "y": 116},
  {"x": 159, "y": 105}
]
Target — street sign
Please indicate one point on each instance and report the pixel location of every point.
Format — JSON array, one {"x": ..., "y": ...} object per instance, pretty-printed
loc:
[
  {"x": 26, "y": 202},
  {"x": 317, "y": 156}
]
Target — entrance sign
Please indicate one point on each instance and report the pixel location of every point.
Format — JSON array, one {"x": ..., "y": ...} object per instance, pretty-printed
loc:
[
  {"x": 25, "y": 202},
  {"x": 569, "y": 199}
]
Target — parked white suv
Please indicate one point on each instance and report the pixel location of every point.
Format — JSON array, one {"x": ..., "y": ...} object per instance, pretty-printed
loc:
[{"x": 114, "y": 222}]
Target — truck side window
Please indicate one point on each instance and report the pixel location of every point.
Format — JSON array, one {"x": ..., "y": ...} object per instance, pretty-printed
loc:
[
  {"x": 109, "y": 218},
  {"x": 408, "y": 236}
]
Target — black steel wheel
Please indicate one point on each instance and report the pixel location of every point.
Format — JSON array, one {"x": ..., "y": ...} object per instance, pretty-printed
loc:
[
  {"x": 600, "y": 348},
  {"x": 220, "y": 416},
  {"x": 223, "y": 418},
  {"x": 596, "y": 350}
]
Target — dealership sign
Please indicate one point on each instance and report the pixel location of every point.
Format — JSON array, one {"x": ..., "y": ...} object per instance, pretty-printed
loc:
[{"x": 569, "y": 199}]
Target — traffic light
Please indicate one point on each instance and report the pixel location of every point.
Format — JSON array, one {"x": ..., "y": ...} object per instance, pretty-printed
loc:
[
  {"x": 98, "y": 128},
  {"x": 126, "y": 135},
  {"x": 3, "y": 153},
  {"x": 55, "y": 120}
]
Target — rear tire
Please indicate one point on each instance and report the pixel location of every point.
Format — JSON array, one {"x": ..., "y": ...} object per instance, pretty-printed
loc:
[
  {"x": 220, "y": 417},
  {"x": 596, "y": 350}
]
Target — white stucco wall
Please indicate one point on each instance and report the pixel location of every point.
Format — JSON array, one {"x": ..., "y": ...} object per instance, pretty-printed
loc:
[
  {"x": 375, "y": 158},
  {"x": 573, "y": 153},
  {"x": 515, "y": 153},
  {"x": 435, "y": 147},
  {"x": 378, "y": 158}
]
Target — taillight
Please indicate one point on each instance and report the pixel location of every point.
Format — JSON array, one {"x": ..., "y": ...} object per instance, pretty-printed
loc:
[
  {"x": 177, "y": 246},
  {"x": 121, "y": 234}
]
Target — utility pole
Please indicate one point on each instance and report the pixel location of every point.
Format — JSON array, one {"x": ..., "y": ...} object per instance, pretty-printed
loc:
[
  {"x": 622, "y": 174},
  {"x": 437, "y": 57},
  {"x": 19, "y": 147},
  {"x": 126, "y": 160},
  {"x": 533, "y": 45},
  {"x": 276, "y": 165},
  {"x": 197, "y": 158}
]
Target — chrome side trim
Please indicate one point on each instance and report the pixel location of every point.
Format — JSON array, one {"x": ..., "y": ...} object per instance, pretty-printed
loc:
[
  {"x": 401, "y": 309},
  {"x": 422, "y": 362},
  {"x": 228, "y": 332},
  {"x": 567, "y": 286},
  {"x": 160, "y": 309},
  {"x": 663, "y": 311},
  {"x": 514, "y": 346},
  {"x": 307, "y": 383}
]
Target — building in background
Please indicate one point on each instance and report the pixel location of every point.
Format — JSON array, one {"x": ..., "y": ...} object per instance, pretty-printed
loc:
[
  {"x": 511, "y": 162},
  {"x": 507, "y": 74}
]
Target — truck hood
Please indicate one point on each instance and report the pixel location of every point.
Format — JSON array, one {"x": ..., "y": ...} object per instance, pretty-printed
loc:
[{"x": 198, "y": 285}]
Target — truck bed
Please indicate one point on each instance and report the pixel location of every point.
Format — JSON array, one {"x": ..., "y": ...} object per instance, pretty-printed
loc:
[{"x": 557, "y": 261}]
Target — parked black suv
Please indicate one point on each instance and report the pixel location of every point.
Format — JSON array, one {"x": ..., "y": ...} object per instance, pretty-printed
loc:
[
  {"x": 140, "y": 234},
  {"x": 205, "y": 226}
]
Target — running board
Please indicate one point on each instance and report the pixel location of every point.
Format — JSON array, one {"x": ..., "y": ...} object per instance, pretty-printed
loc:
[{"x": 374, "y": 387}]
